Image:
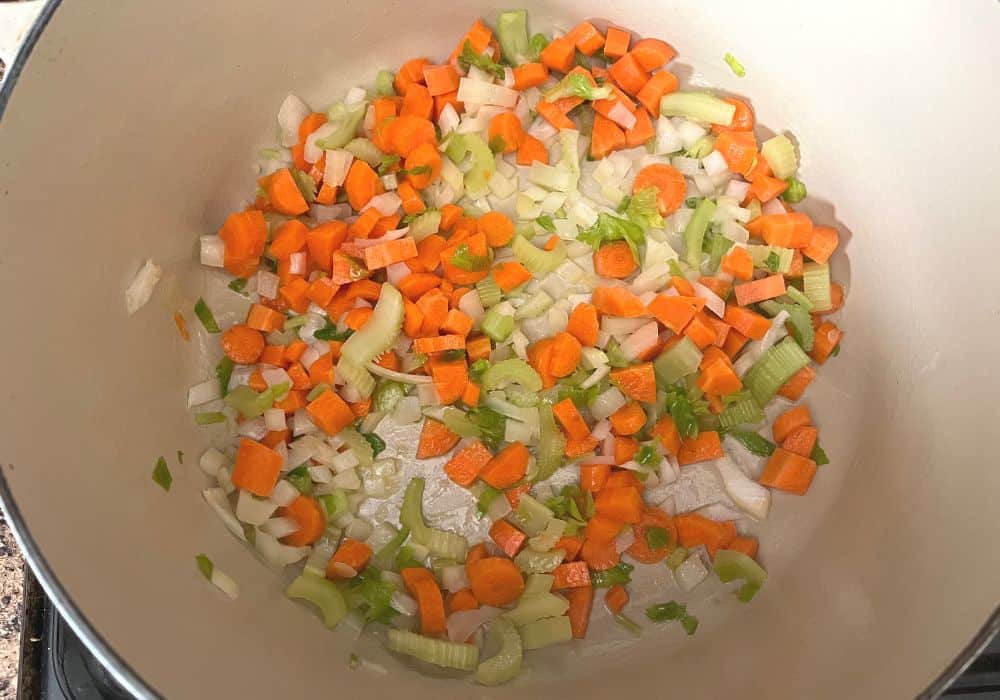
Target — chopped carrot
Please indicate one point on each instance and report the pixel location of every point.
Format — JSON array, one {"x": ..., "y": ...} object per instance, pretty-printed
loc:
[
  {"x": 581, "y": 600},
  {"x": 244, "y": 235},
  {"x": 440, "y": 79},
  {"x": 464, "y": 466},
  {"x": 765, "y": 188},
  {"x": 603, "y": 529},
  {"x": 556, "y": 117},
  {"x": 242, "y": 344},
  {"x": 638, "y": 382},
  {"x": 796, "y": 386},
  {"x": 461, "y": 600},
  {"x": 434, "y": 306},
  {"x": 625, "y": 449},
  {"x": 605, "y": 137},
  {"x": 801, "y": 440},
  {"x": 478, "y": 348},
  {"x": 479, "y": 37},
  {"x": 356, "y": 318},
  {"x": 352, "y": 553},
  {"x": 738, "y": 148},
  {"x": 759, "y": 290},
  {"x": 734, "y": 343},
  {"x": 593, "y": 477},
  {"x": 743, "y": 120},
  {"x": 330, "y": 413},
  {"x": 653, "y": 53},
  {"x": 640, "y": 549},
  {"x": 579, "y": 447},
  {"x": 823, "y": 242},
  {"x": 441, "y": 343},
  {"x": 505, "y": 132},
  {"x": 788, "y": 421},
  {"x": 586, "y": 38},
  {"x": 566, "y": 353},
  {"x": 665, "y": 430},
  {"x": 747, "y": 322},
  {"x": 406, "y": 132},
  {"x": 289, "y": 238},
  {"x": 508, "y": 538},
  {"x": 701, "y": 330},
  {"x": 457, "y": 323},
  {"x": 532, "y": 150},
  {"x": 702, "y": 448},
  {"x": 558, "y": 55},
  {"x": 669, "y": 183},
  {"x": 694, "y": 530},
  {"x": 674, "y": 312},
  {"x": 362, "y": 183},
  {"x": 616, "y": 599},
  {"x": 718, "y": 378},
  {"x": 497, "y": 227},
  {"x": 788, "y": 471},
  {"x": 263, "y": 319},
  {"x": 424, "y": 157},
  {"x": 450, "y": 214},
  {"x": 284, "y": 195},
  {"x": 384, "y": 254},
  {"x": 621, "y": 503},
  {"x": 836, "y": 300},
  {"x": 660, "y": 84},
  {"x": 430, "y": 602},
  {"x": 495, "y": 581},
  {"x": 791, "y": 230},
  {"x": 599, "y": 555},
  {"x": 617, "y": 42},
  {"x": 629, "y": 74},
  {"x": 273, "y": 355},
  {"x": 510, "y": 275},
  {"x": 828, "y": 337},
  {"x": 508, "y": 466},
  {"x": 295, "y": 293},
  {"x": 529, "y": 75},
  {"x": 738, "y": 263},
  {"x": 513, "y": 495},
  {"x": 257, "y": 468},
  {"x": 273, "y": 438},
  {"x": 615, "y": 260},
  {"x": 583, "y": 324},
  {"x": 435, "y": 439},
  {"x": 321, "y": 370},
  {"x": 642, "y": 131},
  {"x": 416, "y": 285},
  {"x": 293, "y": 401},
  {"x": 574, "y": 575},
  {"x": 572, "y": 422},
  {"x": 617, "y": 301}
]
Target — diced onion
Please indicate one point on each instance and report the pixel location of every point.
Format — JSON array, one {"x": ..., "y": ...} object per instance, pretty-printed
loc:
[
  {"x": 253, "y": 510},
  {"x": 714, "y": 163},
  {"x": 752, "y": 498},
  {"x": 338, "y": 163},
  {"x": 204, "y": 392},
  {"x": 216, "y": 498},
  {"x": 284, "y": 493},
  {"x": 713, "y": 301},
  {"x": 453, "y": 578},
  {"x": 690, "y": 573},
  {"x": 402, "y": 603},
  {"x": 624, "y": 540},
  {"x": 385, "y": 204},
  {"x": 290, "y": 115},
  {"x": 773, "y": 207},
  {"x": 140, "y": 289},
  {"x": 606, "y": 403},
  {"x": 642, "y": 340},
  {"x": 225, "y": 583},
  {"x": 210, "y": 461},
  {"x": 275, "y": 553},
  {"x": 213, "y": 251},
  {"x": 267, "y": 284},
  {"x": 280, "y": 527},
  {"x": 464, "y": 623}
]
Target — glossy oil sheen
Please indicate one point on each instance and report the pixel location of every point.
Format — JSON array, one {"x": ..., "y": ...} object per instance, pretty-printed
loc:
[{"x": 133, "y": 130}]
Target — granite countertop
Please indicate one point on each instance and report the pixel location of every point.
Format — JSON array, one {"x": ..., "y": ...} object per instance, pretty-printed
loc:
[{"x": 11, "y": 597}]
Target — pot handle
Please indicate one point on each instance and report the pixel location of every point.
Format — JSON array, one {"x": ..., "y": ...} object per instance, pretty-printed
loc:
[{"x": 16, "y": 20}]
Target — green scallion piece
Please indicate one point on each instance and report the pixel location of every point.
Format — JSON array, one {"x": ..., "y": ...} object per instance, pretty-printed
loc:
[
  {"x": 209, "y": 418},
  {"x": 206, "y": 317},
  {"x": 735, "y": 65},
  {"x": 162, "y": 475},
  {"x": 205, "y": 566}
]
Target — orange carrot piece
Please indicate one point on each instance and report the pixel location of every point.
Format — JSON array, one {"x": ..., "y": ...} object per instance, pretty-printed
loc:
[
  {"x": 505, "y": 132},
  {"x": 796, "y": 386},
  {"x": 628, "y": 73},
  {"x": 593, "y": 477},
  {"x": 510, "y": 275},
  {"x": 674, "y": 312},
  {"x": 606, "y": 136},
  {"x": 694, "y": 530},
  {"x": 653, "y": 53},
  {"x": 289, "y": 238},
  {"x": 734, "y": 343},
  {"x": 243, "y": 345},
  {"x": 599, "y": 555},
  {"x": 434, "y": 306},
  {"x": 642, "y": 132},
  {"x": 572, "y": 422},
  {"x": 330, "y": 412},
  {"x": 458, "y": 324},
  {"x": 586, "y": 38},
  {"x": 743, "y": 120},
  {"x": 628, "y": 420},
  {"x": 823, "y": 242},
  {"x": 478, "y": 348},
  {"x": 828, "y": 337},
  {"x": 701, "y": 330},
  {"x": 508, "y": 466},
  {"x": 614, "y": 260},
  {"x": 257, "y": 468},
  {"x": 430, "y": 603},
  {"x": 704, "y": 447},
  {"x": 529, "y": 75},
  {"x": 765, "y": 188},
  {"x": 801, "y": 440},
  {"x": 284, "y": 196},
  {"x": 384, "y": 254},
  {"x": 579, "y": 447},
  {"x": 637, "y": 382},
  {"x": 362, "y": 183},
  {"x": 461, "y": 600},
  {"x": 497, "y": 227},
  {"x": 759, "y": 290},
  {"x": 556, "y": 117},
  {"x": 416, "y": 285},
  {"x": 583, "y": 324},
  {"x": 352, "y": 553},
  {"x": 669, "y": 183},
  {"x": 791, "y": 230},
  {"x": 747, "y": 322},
  {"x": 464, "y": 466},
  {"x": 650, "y": 94},
  {"x": 441, "y": 343},
  {"x": 566, "y": 354},
  {"x": 617, "y": 301},
  {"x": 738, "y": 263},
  {"x": 574, "y": 575},
  {"x": 738, "y": 148},
  {"x": 558, "y": 55},
  {"x": 508, "y": 538},
  {"x": 581, "y": 600},
  {"x": 435, "y": 439},
  {"x": 406, "y": 132},
  {"x": 670, "y": 438},
  {"x": 617, "y": 42},
  {"x": 616, "y": 599},
  {"x": 620, "y": 503},
  {"x": 424, "y": 157},
  {"x": 495, "y": 581},
  {"x": 440, "y": 79},
  {"x": 603, "y": 529},
  {"x": 532, "y": 150},
  {"x": 789, "y": 472},
  {"x": 793, "y": 418},
  {"x": 718, "y": 378},
  {"x": 640, "y": 549}
]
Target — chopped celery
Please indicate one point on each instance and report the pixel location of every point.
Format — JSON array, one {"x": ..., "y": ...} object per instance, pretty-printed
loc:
[
  {"x": 521, "y": 397},
  {"x": 464, "y": 259},
  {"x": 677, "y": 362},
  {"x": 735, "y": 65},
  {"x": 306, "y": 185},
  {"x": 539, "y": 262},
  {"x": 458, "y": 422},
  {"x": 619, "y": 574},
  {"x": 684, "y": 410},
  {"x": 816, "y": 285},
  {"x": 162, "y": 475},
  {"x": 335, "y": 504},
  {"x": 370, "y": 595},
  {"x": 609, "y": 228},
  {"x": 457, "y": 655},
  {"x": 773, "y": 369},
  {"x": 536, "y": 606},
  {"x": 506, "y": 663},
  {"x": 551, "y": 443},
  {"x": 483, "y": 62},
  {"x": 616, "y": 358},
  {"x": 439, "y": 542},
  {"x": 745, "y": 412},
  {"x": 694, "y": 232},
  {"x": 321, "y": 593},
  {"x": 376, "y": 442},
  {"x": 690, "y": 624},
  {"x": 248, "y": 402},
  {"x": 779, "y": 152},
  {"x": 581, "y": 398},
  {"x": 702, "y": 147},
  {"x": 730, "y": 565},
  {"x": 578, "y": 85},
  {"x": 300, "y": 479},
  {"x": 628, "y": 623},
  {"x": 718, "y": 246},
  {"x": 699, "y": 107},
  {"x": 534, "y": 307},
  {"x": 491, "y": 424},
  {"x": 206, "y": 316},
  {"x": 799, "y": 321},
  {"x": 384, "y": 83},
  {"x": 346, "y": 120},
  {"x": 497, "y": 325},
  {"x": 209, "y": 417},
  {"x": 386, "y": 555},
  {"x": 513, "y": 371},
  {"x": 643, "y": 209},
  {"x": 755, "y": 444},
  {"x": 532, "y": 514},
  {"x": 489, "y": 291},
  {"x": 205, "y": 566},
  {"x": 546, "y": 540},
  {"x": 536, "y": 44},
  {"x": 238, "y": 285},
  {"x": 673, "y": 610},
  {"x": 818, "y": 455},
  {"x": 377, "y": 335},
  {"x": 569, "y": 140},
  {"x": 676, "y": 558},
  {"x": 546, "y": 223},
  {"x": 317, "y": 391},
  {"x": 486, "y": 499},
  {"x": 425, "y": 224},
  {"x": 762, "y": 257},
  {"x": 543, "y": 633},
  {"x": 387, "y": 395},
  {"x": 361, "y": 448},
  {"x": 657, "y": 537},
  {"x": 364, "y": 149},
  {"x": 477, "y": 369},
  {"x": 538, "y": 583},
  {"x": 512, "y": 33},
  {"x": 799, "y": 298},
  {"x": 796, "y": 191},
  {"x": 483, "y": 160},
  {"x": 531, "y": 562},
  {"x": 224, "y": 371}
]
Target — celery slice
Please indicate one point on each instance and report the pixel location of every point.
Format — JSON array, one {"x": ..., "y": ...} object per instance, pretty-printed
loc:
[
  {"x": 506, "y": 663},
  {"x": 248, "y": 402},
  {"x": 694, "y": 233},
  {"x": 364, "y": 149},
  {"x": 347, "y": 119},
  {"x": 321, "y": 593},
  {"x": 375, "y": 337},
  {"x": 512, "y": 33},
  {"x": 458, "y": 422},
  {"x": 543, "y": 633},
  {"x": 439, "y": 542},
  {"x": 537, "y": 606},
  {"x": 489, "y": 291},
  {"x": 816, "y": 285},
  {"x": 798, "y": 319},
  {"x": 463, "y": 657},
  {"x": 538, "y": 583},
  {"x": 745, "y": 412},
  {"x": 534, "y": 307},
  {"x": 799, "y": 298},
  {"x": 531, "y": 562},
  {"x": 514, "y": 371},
  {"x": 335, "y": 504},
  {"x": 730, "y": 565},
  {"x": 361, "y": 448},
  {"x": 387, "y": 395},
  {"x": 425, "y": 224},
  {"x": 699, "y": 107},
  {"x": 779, "y": 152},
  {"x": 773, "y": 369},
  {"x": 532, "y": 515},
  {"x": 678, "y": 361},
  {"x": 386, "y": 555},
  {"x": 761, "y": 256},
  {"x": 483, "y": 161},
  {"x": 551, "y": 443},
  {"x": 539, "y": 262},
  {"x": 384, "y": 83},
  {"x": 497, "y": 326}
]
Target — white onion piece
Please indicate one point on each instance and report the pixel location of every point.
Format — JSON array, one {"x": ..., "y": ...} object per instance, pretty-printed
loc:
[
  {"x": 359, "y": 529},
  {"x": 385, "y": 204},
  {"x": 290, "y": 115},
  {"x": 275, "y": 553},
  {"x": 403, "y": 604},
  {"x": 773, "y": 207},
  {"x": 640, "y": 341},
  {"x": 212, "y": 251},
  {"x": 621, "y": 115},
  {"x": 274, "y": 419},
  {"x": 714, "y": 163},
  {"x": 343, "y": 461},
  {"x": 253, "y": 510},
  {"x": 619, "y": 326},
  {"x": 596, "y": 376},
  {"x": 323, "y": 213},
  {"x": 225, "y": 479},
  {"x": 483, "y": 93},
  {"x": 606, "y": 403},
  {"x": 140, "y": 289},
  {"x": 356, "y": 95},
  {"x": 407, "y": 410},
  {"x": 320, "y": 474},
  {"x": 690, "y": 573},
  {"x": 225, "y": 583},
  {"x": 542, "y": 130},
  {"x": 210, "y": 461},
  {"x": 284, "y": 493},
  {"x": 624, "y": 540},
  {"x": 275, "y": 376},
  {"x": 669, "y": 470},
  {"x": 500, "y": 508},
  {"x": 280, "y": 527},
  {"x": 737, "y": 189},
  {"x": 463, "y": 624},
  {"x": 208, "y": 390},
  {"x": 448, "y": 120},
  {"x": 454, "y": 578},
  {"x": 267, "y": 284},
  {"x": 255, "y": 429},
  {"x": 752, "y": 498},
  {"x": 601, "y": 429},
  {"x": 302, "y": 423},
  {"x": 472, "y": 306},
  {"x": 713, "y": 301},
  {"x": 312, "y": 152},
  {"x": 338, "y": 163},
  {"x": 216, "y": 498}
]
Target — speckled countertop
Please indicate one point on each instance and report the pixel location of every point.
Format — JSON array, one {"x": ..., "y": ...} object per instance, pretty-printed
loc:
[{"x": 11, "y": 596}]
